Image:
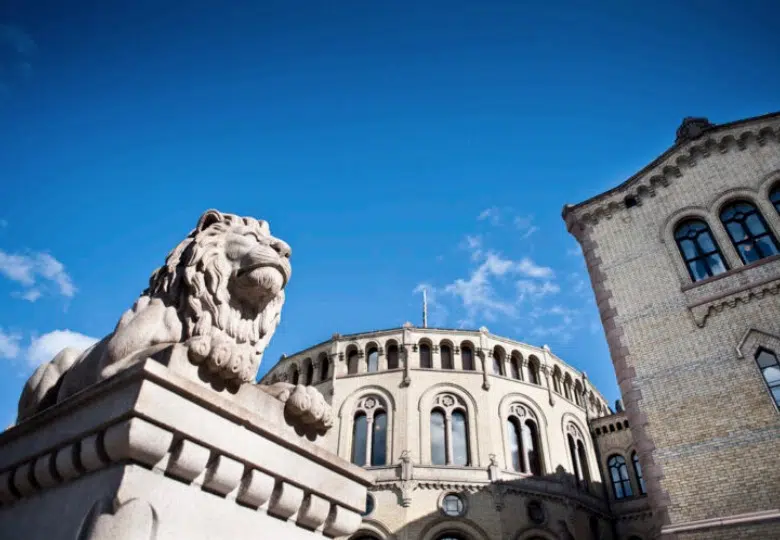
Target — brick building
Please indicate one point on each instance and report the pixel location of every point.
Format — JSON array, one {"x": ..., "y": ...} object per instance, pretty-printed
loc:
[{"x": 684, "y": 260}]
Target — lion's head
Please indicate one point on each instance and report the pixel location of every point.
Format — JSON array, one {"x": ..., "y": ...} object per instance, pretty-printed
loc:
[{"x": 227, "y": 281}]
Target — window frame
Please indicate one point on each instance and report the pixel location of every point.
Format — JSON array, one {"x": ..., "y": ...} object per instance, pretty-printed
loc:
[
  {"x": 619, "y": 466},
  {"x": 701, "y": 255},
  {"x": 751, "y": 238}
]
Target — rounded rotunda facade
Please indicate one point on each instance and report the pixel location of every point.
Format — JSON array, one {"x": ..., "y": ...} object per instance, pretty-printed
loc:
[{"x": 470, "y": 435}]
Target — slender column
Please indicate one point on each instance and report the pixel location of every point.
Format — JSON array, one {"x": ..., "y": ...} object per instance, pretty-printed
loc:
[
  {"x": 382, "y": 359},
  {"x": 483, "y": 362},
  {"x": 316, "y": 373},
  {"x": 525, "y": 440},
  {"x": 544, "y": 369},
  {"x": 448, "y": 436},
  {"x": 369, "y": 437}
]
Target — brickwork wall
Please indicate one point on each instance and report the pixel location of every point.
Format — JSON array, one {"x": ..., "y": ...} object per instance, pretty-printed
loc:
[{"x": 706, "y": 429}]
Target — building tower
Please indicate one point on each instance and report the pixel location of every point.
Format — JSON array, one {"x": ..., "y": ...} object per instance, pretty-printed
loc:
[{"x": 684, "y": 261}]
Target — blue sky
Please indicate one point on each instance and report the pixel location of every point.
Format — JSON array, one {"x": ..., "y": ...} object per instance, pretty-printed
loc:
[{"x": 391, "y": 144}]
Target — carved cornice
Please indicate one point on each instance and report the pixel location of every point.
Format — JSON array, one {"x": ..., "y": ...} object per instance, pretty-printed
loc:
[
  {"x": 709, "y": 306},
  {"x": 670, "y": 166}
]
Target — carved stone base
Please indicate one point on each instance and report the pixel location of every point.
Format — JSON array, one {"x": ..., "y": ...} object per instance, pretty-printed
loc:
[{"x": 148, "y": 454}]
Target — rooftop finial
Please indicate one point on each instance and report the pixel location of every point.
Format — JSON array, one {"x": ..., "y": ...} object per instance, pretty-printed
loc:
[{"x": 425, "y": 308}]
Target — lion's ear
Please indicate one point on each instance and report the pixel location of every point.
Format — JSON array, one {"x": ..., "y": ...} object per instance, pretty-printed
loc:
[{"x": 209, "y": 217}]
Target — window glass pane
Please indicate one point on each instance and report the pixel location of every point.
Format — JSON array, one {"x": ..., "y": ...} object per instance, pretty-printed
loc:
[
  {"x": 583, "y": 461},
  {"x": 513, "y": 431},
  {"x": 754, "y": 224},
  {"x": 379, "y": 440},
  {"x": 373, "y": 361},
  {"x": 772, "y": 374},
  {"x": 295, "y": 377},
  {"x": 460, "y": 447},
  {"x": 534, "y": 448},
  {"x": 446, "y": 357},
  {"x": 573, "y": 456},
  {"x": 775, "y": 195},
  {"x": 515, "y": 369},
  {"x": 688, "y": 248},
  {"x": 392, "y": 357},
  {"x": 715, "y": 262},
  {"x": 496, "y": 365},
  {"x": 359, "y": 440},
  {"x": 325, "y": 369},
  {"x": 765, "y": 358},
  {"x": 425, "y": 356},
  {"x": 352, "y": 363},
  {"x": 438, "y": 455},
  {"x": 748, "y": 253},
  {"x": 705, "y": 242},
  {"x": 766, "y": 246},
  {"x": 467, "y": 356},
  {"x": 736, "y": 231},
  {"x": 699, "y": 269},
  {"x": 776, "y": 394}
]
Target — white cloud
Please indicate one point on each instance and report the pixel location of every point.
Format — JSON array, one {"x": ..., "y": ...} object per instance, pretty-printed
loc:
[
  {"x": 28, "y": 270},
  {"x": 9, "y": 345},
  {"x": 525, "y": 224},
  {"x": 473, "y": 244},
  {"x": 528, "y": 288},
  {"x": 529, "y": 268},
  {"x": 31, "y": 295},
  {"x": 492, "y": 214},
  {"x": 46, "y": 347}
]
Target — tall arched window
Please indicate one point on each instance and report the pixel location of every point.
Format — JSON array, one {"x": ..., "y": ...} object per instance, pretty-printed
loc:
[
  {"x": 774, "y": 196},
  {"x": 309, "y": 372},
  {"x": 748, "y": 231},
  {"x": 567, "y": 387},
  {"x": 379, "y": 439},
  {"x": 295, "y": 376},
  {"x": 514, "y": 433},
  {"x": 392, "y": 356},
  {"x": 523, "y": 439},
  {"x": 446, "y": 357},
  {"x": 618, "y": 473},
  {"x": 533, "y": 370},
  {"x": 515, "y": 364},
  {"x": 449, "y": 431},
  {"x": 359, "y": 439},
  {"x": 425, "y": 356},
  {"x": 585, "y": 471},
  {"x": 369, "y": 432},
  {"x": 352, "y": 362},
  {"x": 573, "y": 455},
  {"x": 467, "y": 357},
  {"x": 578, "y": 393},
  {"x": 698, "y": 249},
  {"x": 640, "y": 479},
  {"x": 438, "y": 438},
  {"x": 498, "y": 361},
  {"x": 373, "y": 360},
  {"x": 557, "y": 380},
  {"x": 770, "y": 370},
  {"x": 325, "y": 368}
]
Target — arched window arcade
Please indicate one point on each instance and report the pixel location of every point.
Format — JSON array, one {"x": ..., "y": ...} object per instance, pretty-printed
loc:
[
  {"x": 525, "y": 452},
  {"x": 369, "y": 432},
  {"x": 449, "y": 431}
]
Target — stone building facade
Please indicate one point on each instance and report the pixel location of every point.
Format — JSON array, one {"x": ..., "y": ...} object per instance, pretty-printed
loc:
[
  {"x": 684, "y": 259},
  {"x": 473, "y": 436}
]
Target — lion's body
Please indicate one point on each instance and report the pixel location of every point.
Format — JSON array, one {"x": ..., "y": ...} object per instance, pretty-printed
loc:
[{"x": 219, "y": 294}]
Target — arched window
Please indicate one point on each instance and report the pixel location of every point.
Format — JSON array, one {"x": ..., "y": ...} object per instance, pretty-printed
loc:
[
  {"x": 467, "y": 357},
  {"x": 359, "y": 439},
  {"x": 774, "y": 196},
  {"x": 533, "y": 370},
  {"x": 309, "y": 372},
  {"x": 352, "y": 362},
  {"x": 748, "y": 231},
  {"x": 498, "y": 361},
  {"x": 698, "y": 249},
  {"x": 770, "y": 370},
  {"x": 567, "y": 387},
  {"x": 379, "y": 439},
  {"x": 438, "y": 439},
  {"x": 573, "y": 456},
  {"x": 369, "y": 432},
  {"x": 449, "y": 431},
  {"x": 585, "y": 471},
  {"x": 523, "y": 438},
  {"x": 618, "y": 473},
  {"x": 640, "y": 479},
  {"x": 373, "y": 360},
  {"x": 325, "y": 368},
  {"x": 295, "y": 376},
  {"x": 514, "y": 432},
  {"x": 578, "y": 393},
  {"x": 557, "y": 380},
  {"x": 392, "y": 356},
  {"x": 446, "y": 357},
  {"x": 425, "y": 356},
  {"x": 515, "y": 364}
]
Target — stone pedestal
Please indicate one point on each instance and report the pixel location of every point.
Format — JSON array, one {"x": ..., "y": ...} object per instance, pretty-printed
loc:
[{"x": 148, "y": 454}]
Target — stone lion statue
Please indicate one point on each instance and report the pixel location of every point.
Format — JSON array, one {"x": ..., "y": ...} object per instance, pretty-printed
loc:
[{"x": 217, "y": 300}]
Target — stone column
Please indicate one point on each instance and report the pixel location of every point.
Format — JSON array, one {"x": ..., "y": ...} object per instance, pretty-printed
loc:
[
  {"x": 546, "y": 372},
  {"x": 480, "y": 354},
  {"x": 369, "y": 438},
  {"x": 382, "y": 364},
  {"x": 448, "y": 436}
]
